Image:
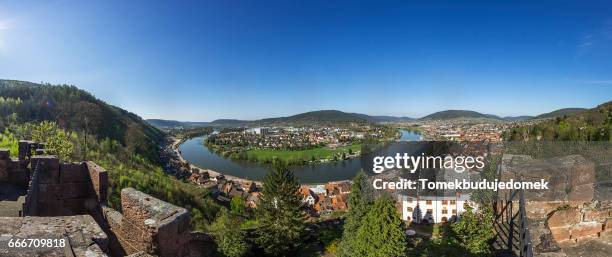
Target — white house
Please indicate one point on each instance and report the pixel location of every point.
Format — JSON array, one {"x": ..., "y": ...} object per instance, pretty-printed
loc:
[
  {"x": 433, "y": 209},
  {"x": 309, "y": 200},
  {"x": 319, "y": 190}
]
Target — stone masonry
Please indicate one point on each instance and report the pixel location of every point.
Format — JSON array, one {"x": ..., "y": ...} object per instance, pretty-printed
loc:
[
  {"x": 149, "y": 225},
  {"x": 568, "y": 218},
  {"x": 68, "y": 201},
  {"x": 81, "y": 234}
]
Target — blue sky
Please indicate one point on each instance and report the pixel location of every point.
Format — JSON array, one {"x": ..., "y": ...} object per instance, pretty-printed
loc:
[{"x": 205, "y": 60}]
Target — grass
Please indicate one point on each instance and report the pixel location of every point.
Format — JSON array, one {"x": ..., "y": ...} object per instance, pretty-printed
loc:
[{"x": 320, "y": 153}]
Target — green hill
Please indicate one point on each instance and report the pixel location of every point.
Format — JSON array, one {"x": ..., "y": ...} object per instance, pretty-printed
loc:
[
  {"x": 115, "y": 139},
  {"x": 458, "y": 114},
  {"x": 559, "y": 113},
  {"x": 323, "y": 116},
  {"x": 581, "y": 125},
  {"x": 77, "y": 110}
]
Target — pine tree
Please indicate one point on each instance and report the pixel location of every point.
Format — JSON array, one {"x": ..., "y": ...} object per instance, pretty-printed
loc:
[
  {"x": 280, "y": 215},
  {"x": 382, "y": 232},
  {"x": 359, "y": 204}
]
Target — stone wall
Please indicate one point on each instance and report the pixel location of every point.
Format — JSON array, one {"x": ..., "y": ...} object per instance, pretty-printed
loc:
[
  {"x": 73, "y": 193},
  {"x": 572, "y": 224},
  {"x": 81, "y": 235},
  {"x": 149, "y": 225},
  {"x": 99, "y": 181},
  {"x": 13, "y": 171},
  {"x": 63, "y": 188},
  {"x": 30, "y": 205}
]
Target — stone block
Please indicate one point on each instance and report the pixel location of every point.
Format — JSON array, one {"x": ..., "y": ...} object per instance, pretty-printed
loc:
[
  {"x": 5, "y": 164},
  {"x": 48, "y": 192},
  {"x": 5, "y": 154},
  {"x": 580, "y": 240},
  {"x": 51, "y": 207},
  {"x": 74, "y": 190},
  {"x": 596, "y": 215},
  {"x": 113, "y": 217},
  {"x": 584, "y": 173},
  {"x": 564, "y": 218},
  {"x": 48, "y": 168},
  {"x": 85, "y": 236},
  {"x": 4, "y": 171},
  {"x": 540, "y": 209},
  {"x": 99, "y": 180},
  {"x": 24, "y": 149},
  {"x": 184, "y": 225},
  {"x": 17, "y": 164},
  {"x": 586, "y": 229},
  {"x": 168, "y": 239},
  {"x": 608, "y": 225},
  {"x": 154, "y": 224},
  {"x": 582, "y": 193},
  {"x": 73, "y": 207},
  {"x": 560, "y": 234},
  {"x": 73, "y": 172},
  {"x": 606, "y": 234},
  {"x": 19, "y": 177}
]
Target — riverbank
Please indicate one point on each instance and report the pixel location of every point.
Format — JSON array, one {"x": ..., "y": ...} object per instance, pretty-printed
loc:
[
  {"x": 321, "y": 154},
  {"x": 176, "y": 142},
  {"x": 259, "y": 170}
]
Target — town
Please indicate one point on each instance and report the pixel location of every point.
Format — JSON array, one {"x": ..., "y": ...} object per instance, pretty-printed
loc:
[
  {"x": 486, "y": 130},
  {"x": 321, "y": 200}
]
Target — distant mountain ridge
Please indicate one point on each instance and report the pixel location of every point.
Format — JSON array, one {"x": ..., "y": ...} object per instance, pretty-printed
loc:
[
  {"x": 319, "y": 116},
  {"x": 335, "y": 116},
  {"x": 160, "y": 123},
  {"x": 458, "y": 114},
  {"x": 322, "y": 116}
]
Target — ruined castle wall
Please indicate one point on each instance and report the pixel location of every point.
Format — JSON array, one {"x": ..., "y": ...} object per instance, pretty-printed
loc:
[
  {"x": 146, "y": 226},
  {"x": 30, "y": 205},
  {"x": 4, "y": 166},
  {"x": 13, "y": 171},
  {"x": 149, "y": 225},
  {"x": 63, "y": 188},
  {"x": 573, "y": 224},
  {"x": 173, "y": 235},
  {"x": 99, "y": 181}
]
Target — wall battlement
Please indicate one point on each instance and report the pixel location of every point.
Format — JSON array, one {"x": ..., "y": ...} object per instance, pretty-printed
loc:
[
  {"x": 149, "y": 225},
  {"x": 70, "y": 193}
]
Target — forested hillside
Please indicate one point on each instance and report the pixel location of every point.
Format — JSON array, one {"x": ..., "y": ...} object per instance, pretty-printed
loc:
[
  {"x": 76, "y": 110},
  {"x": 560, "y": 113},
  {"x": 76, "y": 126},
  {"x": 590, "y": 125}
]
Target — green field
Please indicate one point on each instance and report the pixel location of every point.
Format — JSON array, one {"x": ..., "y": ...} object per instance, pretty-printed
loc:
[{"x": 296, "y": 156}]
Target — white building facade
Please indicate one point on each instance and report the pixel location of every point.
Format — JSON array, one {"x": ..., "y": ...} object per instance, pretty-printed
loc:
[{"x": 433, "y": 209}]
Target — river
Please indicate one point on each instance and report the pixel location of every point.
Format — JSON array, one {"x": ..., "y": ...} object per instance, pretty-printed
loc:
[{"x": 194, "y": 151}]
